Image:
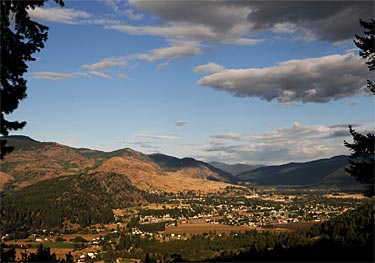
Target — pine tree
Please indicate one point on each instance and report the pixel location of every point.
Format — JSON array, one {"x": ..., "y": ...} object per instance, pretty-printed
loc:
[
  {"x": 362, "y": 159},
  {"x": 20, "y": 38},
  {"x": 366, "y": 44}
]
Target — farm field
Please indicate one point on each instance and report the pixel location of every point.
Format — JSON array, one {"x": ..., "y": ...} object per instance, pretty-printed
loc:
[
  {"x": 200, "y": 228},
  {"x": 346, "y": 196},
  {"x": 165, "y": 206}
]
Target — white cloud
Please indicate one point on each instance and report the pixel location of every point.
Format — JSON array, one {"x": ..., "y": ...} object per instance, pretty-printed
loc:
[
  {"x": 58, "y": 15},
  {"x": 297, "y": 142},
  {"x": 177, "y": 50},
  {"x": 100, "y": 74},
  {"x": 122, "y": 76},
  {"x": 122, "y": 8},
  {"x": 284, "y": 27},
  {"x": 295, "y": 131},
  {"x": 131, "y": 14},
  {"x": 181, "y": 123},
  {"x": 162, "y": 65},
  {"x": 113, "y": 4},
  {"x": 107, "y": 63},
  {"x": 61, "y": 76},
  {"x": 158, "y": 137},
  {"x": 306, "y": 80},
  {"x": 186, "y": 32},
  {"x": 227, "y": 136},
  {"x": 210, "y": 67},
  {"x": 57, "y": 75}
]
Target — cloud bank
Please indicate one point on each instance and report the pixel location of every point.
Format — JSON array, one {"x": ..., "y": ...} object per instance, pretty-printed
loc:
[
  {"x": 306, "y": 80},
  {"x": 279, "y": 146},
  {"x": 226, "y": 21},
  {"x": 233, "y": 21}
]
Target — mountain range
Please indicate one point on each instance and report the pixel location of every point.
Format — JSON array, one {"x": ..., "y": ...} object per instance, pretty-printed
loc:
[
  {"x": 235, "y": 169},
  {"x": 324, "y": 172},
  {"x": 35, "y": 161},
  {"x": 46, "y": 183}
]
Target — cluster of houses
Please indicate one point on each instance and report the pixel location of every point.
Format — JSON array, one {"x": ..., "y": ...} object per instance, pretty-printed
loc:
[
  {"x": 264, "y": 210},
  {"x": 87, "y": 256}
]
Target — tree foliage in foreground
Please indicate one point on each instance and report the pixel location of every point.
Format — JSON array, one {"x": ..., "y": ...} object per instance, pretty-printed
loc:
[
  {"x": 366, "y": 44},
  {"x": 362, "y": 157},
  {"x": 21, "y": 37}
]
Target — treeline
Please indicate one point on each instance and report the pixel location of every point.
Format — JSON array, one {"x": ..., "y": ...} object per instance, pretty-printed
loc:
[
  {"x": 43, "y": 254},
  {"x": 149, "y": 227},
  {"x": 79, "y": 199}
]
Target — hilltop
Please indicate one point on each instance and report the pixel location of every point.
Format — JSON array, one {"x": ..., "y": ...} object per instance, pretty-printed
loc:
[
  {"x": 71, "y": 180},
  {"x": 35, "y": 161}
]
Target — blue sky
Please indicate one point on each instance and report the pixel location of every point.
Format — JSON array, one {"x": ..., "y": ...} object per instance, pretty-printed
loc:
[{"x": 235, "y": 81}]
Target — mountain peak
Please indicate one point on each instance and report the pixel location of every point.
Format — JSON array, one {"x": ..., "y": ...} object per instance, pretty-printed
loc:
[
  {"x": 19, "y": 137},
  {"x": 21, "y": 142}
]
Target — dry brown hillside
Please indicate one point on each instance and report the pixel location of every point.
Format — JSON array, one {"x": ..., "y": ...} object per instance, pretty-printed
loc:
[{"x": 31, "y": 164}]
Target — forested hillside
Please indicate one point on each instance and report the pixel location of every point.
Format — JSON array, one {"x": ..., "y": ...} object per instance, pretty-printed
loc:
[{"x": 79, "y": 199}]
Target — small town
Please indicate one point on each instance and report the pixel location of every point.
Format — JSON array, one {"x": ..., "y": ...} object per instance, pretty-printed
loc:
[
  {"x": 255, "y": 210},
  {"x": 180, "y": 218}
]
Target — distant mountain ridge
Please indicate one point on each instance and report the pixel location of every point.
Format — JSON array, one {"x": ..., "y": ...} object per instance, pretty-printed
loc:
[
  {"x": 173, "y": 164},
  {"x": 322, "y": 172},
  {"x": 71, "y": 180},
  {"x": 33, "y": 161},
  {"x": 235, "y": 169}
]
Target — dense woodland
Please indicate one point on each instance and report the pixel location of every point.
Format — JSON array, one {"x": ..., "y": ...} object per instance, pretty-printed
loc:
[{"x": 51, "y": 203}]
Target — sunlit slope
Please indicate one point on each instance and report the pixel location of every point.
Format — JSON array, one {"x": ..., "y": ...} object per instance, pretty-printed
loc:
[{"x": 34, "y": 161}]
